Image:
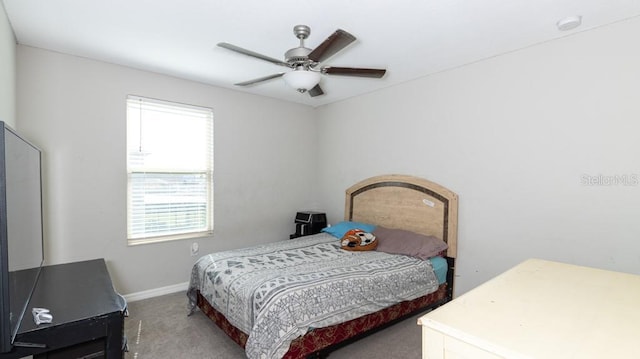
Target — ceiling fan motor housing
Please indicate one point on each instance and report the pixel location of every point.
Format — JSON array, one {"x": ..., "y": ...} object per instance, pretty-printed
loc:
[{"x": 297, "y": 56}]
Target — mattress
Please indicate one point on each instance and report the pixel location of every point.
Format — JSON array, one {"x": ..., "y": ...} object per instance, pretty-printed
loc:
[{"x": 279, "y": 291}]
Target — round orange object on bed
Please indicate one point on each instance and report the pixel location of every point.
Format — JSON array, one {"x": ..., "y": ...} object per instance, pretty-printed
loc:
[{"x": 358, "y": 240}]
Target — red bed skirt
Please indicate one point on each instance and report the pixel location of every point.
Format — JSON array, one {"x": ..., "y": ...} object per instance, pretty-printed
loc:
[{"x": 322, "y": 338}]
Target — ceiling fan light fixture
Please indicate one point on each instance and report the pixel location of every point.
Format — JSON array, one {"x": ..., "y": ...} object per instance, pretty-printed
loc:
[{"x": 302, "y": 80}]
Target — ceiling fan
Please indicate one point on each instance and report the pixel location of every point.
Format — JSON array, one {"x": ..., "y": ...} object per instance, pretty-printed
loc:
[{"x": 305, "y": 63}]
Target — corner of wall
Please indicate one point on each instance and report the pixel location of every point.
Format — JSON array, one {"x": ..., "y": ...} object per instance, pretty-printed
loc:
[{"x": 7, "y": 70}]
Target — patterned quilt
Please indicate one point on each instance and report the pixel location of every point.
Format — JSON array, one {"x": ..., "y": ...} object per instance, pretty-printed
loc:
[{"x": 277, "y": 292}]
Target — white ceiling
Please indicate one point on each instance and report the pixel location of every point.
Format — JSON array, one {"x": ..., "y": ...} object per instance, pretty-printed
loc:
[{"x": 410, "y": 38}]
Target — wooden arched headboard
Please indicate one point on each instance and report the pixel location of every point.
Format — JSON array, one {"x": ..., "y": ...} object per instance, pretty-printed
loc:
[{"x": 406, "y": 202}]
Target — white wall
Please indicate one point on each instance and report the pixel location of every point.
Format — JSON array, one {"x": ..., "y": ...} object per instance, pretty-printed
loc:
[
  {"x": 513, "y": 136},
  {"x": 74, "y": 109},
  {"x": 7, "y": 70}
]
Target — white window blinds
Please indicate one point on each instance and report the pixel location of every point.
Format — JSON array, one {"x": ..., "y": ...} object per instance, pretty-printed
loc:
[{"x": 170, "y": 170}]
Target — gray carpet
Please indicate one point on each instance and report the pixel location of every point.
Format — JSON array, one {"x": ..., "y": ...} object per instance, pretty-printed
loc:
[{"x": 159, "y": 328}]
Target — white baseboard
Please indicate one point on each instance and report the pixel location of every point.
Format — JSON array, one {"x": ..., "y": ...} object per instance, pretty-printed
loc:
[{"x": 156, "y": 292}]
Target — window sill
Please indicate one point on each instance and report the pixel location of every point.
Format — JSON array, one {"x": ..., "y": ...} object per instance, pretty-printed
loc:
[{"x": 174, "y": 237}]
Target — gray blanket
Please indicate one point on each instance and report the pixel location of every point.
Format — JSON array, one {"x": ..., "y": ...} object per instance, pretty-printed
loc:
[{"x": 277, "y": 292}]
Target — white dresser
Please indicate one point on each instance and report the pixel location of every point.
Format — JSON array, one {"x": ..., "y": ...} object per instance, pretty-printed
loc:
[{"x": 539, "y": 309}]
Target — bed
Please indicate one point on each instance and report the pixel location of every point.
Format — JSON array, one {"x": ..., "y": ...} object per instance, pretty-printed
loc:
[{"x": 250, "y": 312}]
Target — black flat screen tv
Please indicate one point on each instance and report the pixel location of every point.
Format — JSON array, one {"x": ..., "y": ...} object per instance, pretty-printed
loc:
[{"x": 21, "y": 234}]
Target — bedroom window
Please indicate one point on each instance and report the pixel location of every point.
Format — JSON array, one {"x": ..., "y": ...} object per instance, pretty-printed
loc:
[{"x": 169, "y": 171}]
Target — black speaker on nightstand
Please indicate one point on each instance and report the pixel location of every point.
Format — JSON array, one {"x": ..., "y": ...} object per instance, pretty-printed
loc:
[{"x": 309, "y": 222}]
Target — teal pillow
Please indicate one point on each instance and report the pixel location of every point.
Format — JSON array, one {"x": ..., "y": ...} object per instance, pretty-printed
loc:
[{"x": 339, "y": 229}]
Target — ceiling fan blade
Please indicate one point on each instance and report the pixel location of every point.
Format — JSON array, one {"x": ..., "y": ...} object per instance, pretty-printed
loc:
[
  {"x": 354, "y": 71},
  {"x": 261, "y": 79},
  {"x": 334, "y": 43},
  {"x": 252, "y": 54},
  {"x": 316, "y": 91}
]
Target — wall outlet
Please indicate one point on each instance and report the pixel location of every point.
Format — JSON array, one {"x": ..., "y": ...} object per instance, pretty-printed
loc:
[{"x": 194, "y": 249}]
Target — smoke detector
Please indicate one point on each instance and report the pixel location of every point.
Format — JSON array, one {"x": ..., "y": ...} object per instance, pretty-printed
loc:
[{"x": 569, "y": 23}]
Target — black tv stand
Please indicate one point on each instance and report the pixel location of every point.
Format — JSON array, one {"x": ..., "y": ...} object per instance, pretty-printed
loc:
[{"x": 88, "y": 315}]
